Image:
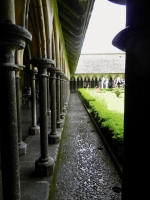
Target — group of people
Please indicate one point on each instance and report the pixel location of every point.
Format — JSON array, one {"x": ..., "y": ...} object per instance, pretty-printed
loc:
[
  {"x": 97, "y": 89},
  {"x": 120, "y": 84},
  {"x": 27, "y": 96},
  {"x": 86, "y": 85}
]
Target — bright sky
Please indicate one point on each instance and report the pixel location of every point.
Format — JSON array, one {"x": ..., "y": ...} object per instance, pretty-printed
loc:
[{"x": 106, "y": 21}]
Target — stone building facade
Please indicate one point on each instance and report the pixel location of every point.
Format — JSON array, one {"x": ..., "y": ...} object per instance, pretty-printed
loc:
[{"x": 101, "y": 70}]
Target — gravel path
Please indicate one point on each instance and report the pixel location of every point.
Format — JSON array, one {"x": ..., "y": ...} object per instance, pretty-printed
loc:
[{"x": 85, "y": 170}]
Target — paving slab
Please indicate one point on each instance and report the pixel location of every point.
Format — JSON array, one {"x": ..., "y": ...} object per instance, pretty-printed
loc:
[{"x": 85, "y": 170}]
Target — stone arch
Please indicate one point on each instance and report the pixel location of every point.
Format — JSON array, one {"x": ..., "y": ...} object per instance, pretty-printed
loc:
[
  {"x": 55, "y": 53},
  {"x": 79, "y": 82},
  {"x": 72, "y": 83}
]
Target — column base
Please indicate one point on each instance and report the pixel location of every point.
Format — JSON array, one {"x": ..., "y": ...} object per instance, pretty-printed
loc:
[
  {"x": 62, "y": 115},
  {"x": 34, "y": 130},
  {"x": 44, "y": 168},
  {"x": 58, "y": 124},
  {"x": 66, "y": 104},
  {"x": 64, "y": 110},
  {"x": 48, "y": 112},
  {"x": 22, "y": 148},
  {"x": 53, "y": 138}
]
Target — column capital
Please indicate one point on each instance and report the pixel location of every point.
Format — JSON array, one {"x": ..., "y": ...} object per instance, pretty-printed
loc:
[
  {"x": 14, "y": 36},
  {"x": 53, "y": 69},
  {"x": 34, "y": 70},
  {"x": 135, "y": 33},
  {"x": 21, "y": 67},
  {"x": 42, "y": 62}
]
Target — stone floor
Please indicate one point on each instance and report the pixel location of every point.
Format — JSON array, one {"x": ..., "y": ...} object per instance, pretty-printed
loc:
[{"x": 83, "y": 168}]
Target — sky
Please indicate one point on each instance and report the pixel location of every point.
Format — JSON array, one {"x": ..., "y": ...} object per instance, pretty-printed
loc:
[{"x": 107, "y": 19}]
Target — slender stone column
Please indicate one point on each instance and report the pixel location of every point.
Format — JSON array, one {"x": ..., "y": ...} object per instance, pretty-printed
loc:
[
  {"x": 61, "y": 96},
  {"x": 34, "y": 129},
  {"x": 22, "y": 146},
  {"x": 45, "y": 164},
  {"x": 67, "y": 90},
  {"x": 102, "y": 82},
  {"x": 75, "y": 85},
  {"x": 135, "y": 40},
  {"x": 59, "y": 122},
  {"x": 71, "y": 84},
  {"x": 65, "y": 94},
  {"x": 12, "y": 38},
  {"x": 53, "y": 137},
  {"x": 63, "y": 91},
  {"x": 106, "y": 82},
  {"x": 48, "y": 94}
]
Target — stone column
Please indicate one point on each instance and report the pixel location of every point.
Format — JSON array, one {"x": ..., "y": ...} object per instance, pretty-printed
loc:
[
  {"x": 59, "y": 122},
  {"x": 22, "y": 146},
  {"x": 74, "y": 81},
  {"x": 45, "y": 164},
  {"x": 106, "y": 82},
  {"x": 71, "y": 84},
  {"x": 102, "y": 82},
  {"x": 53, "y": 137},
  {"x": 12, "y": 38},
  {"x": 79, "y": 84},
  {"x": 75, "y": 85},
  {"x": 66, "y": 87},
  {"x": 64, "y": 94},
  {"x": 135, "y": 40},
  {"x": 48, "y": 94},
  {"x": 61, "y": 96},
  {"x": 34, "y": 129}
]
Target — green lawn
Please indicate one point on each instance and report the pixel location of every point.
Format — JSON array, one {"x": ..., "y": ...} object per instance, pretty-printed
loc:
[{"x": 110, "y": 99}]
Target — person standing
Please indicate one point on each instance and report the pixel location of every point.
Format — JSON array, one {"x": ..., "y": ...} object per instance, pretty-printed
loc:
[{"x": 29, "y": 96}]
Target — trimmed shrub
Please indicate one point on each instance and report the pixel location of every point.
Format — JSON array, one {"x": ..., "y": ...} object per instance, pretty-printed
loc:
[{"x": 85, "y": 96}]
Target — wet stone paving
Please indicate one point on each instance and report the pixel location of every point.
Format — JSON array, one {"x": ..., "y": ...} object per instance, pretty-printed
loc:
[{"x": 85, "y": 170}]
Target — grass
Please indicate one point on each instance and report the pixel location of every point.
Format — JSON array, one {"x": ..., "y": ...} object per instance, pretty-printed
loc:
[{"x": 112, "y": 102}]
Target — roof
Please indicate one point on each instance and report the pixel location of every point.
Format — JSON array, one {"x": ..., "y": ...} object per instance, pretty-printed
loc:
[
  {"x": 74, "y": 16},
  {"x": 101, "y": 63}
]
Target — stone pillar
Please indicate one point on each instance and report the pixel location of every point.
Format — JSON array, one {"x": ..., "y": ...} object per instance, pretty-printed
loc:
[
  {"x": 12, "y": 38},
  {"x": 48, "y": 95},
  {"x": 135, "y": 40},
  {"x": 34, "y": 129},
  {"x": 22, "y": 146},
  {"x": 75, "y": 85},
  {"x": 63, "y": 92},
  {"x": 106, "y": 82},
  {"x": 79, "y": 83},
  {"x": 99, "y": 82},
  {"x": 59, "y": 122},
  {"x": 102, "y": 83},
  {"x": 45, "y": 164},
  {"x": 53, "y": 137},
  {"x": 71, "y": 84},
  {"x": 65, "y": 95},
  {"x": 61, "y": 96}
]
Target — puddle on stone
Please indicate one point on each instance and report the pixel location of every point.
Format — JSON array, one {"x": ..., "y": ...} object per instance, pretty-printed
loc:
[
  {"x": 100, "y": 148},
  {"x": 116, "y": 189}
]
